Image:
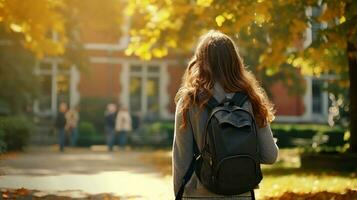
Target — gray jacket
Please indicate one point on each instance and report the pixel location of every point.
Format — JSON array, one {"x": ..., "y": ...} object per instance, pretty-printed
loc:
[{"x": 183, "y": 147}]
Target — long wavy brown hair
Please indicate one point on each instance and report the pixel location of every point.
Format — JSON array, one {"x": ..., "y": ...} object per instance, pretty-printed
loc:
[{"x": 216, "y": 59}]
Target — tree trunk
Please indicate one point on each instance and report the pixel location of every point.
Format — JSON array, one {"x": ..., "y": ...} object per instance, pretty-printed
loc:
[{"x": 352, "y": 66}]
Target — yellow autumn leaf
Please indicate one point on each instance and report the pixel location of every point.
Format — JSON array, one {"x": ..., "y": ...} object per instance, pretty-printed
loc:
[
  {"x": 220, "y": 20},
  {"x": 16, "y": 28},
  {"x": 204, "y": 3},
  {"x": 159, "y": 52}
]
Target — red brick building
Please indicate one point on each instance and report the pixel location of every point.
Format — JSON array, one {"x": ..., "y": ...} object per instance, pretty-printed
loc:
[{"x": 148, "y": 88}]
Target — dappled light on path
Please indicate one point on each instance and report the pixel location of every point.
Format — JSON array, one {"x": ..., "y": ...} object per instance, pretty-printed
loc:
[
  {"x": 119, "y": 173},
  {"x": 119, "y": 183}
]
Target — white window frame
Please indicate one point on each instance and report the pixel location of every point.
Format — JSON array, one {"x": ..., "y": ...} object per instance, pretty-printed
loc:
[
  {"x": 162, "y": 76},
  {"x": 74, "y": 77}
]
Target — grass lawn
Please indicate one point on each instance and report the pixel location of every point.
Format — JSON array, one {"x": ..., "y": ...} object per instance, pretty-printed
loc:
[{"x": 286, "y": 180}]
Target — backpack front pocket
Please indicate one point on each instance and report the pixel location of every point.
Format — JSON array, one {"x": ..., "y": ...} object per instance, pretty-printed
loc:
[{"x": 236, "y": 174}]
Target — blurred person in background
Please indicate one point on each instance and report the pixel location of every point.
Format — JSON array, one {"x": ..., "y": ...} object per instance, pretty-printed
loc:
[
  {"x": 110, "y": 115},
  {"x": 61, "y": 124},
  {"x": 72, "y": 118},
  {"x": 123, "y": 126}
]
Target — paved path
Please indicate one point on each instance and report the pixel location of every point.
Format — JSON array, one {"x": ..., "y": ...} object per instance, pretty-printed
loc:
[{"x": 80, "y": 171}]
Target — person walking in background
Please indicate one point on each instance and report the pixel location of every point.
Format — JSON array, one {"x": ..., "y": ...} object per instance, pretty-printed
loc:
[
  {"x": 61, "y": 123},
  {"x": 123, "y": 126},
  {"x": 110, "y": 115},
  {"x": 72, "y": 118}
]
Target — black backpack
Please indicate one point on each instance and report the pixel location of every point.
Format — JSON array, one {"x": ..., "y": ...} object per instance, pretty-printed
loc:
[{"x": 229, "y": 161}]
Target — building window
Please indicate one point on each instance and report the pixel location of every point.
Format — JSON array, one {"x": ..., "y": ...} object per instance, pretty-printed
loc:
[
  {"x": 319, "y": 98},
  {"x": 63, "y": 84},
  {"x": 45, "y": 82},
  {"x": 44, "y": 99},
  {"x": 316, "y": 26},
  {"x": 54, "y": 82},
  {"x": 144, "y": 91},
  {"x": 316, "y": 97}
]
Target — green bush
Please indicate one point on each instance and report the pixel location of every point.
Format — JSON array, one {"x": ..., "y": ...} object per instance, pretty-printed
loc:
[
  {"x": 161, "y": 127},
  {"x": 4, "y": 108},
  {"x": 15, "y": 132},
  {"x": 305, "y": 128},
  {"x": 86, "y": 129},
  {"x": 287, "y": 134},
  {"x": 166, "y": 127},
  {"x": 88, "y": 135},
  {"x": 2, "y": 142},
  {"x": 92, "y": 110},
  {"x": 154, "y": 134}
]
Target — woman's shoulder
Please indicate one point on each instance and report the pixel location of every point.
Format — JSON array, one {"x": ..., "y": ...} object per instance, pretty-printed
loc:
[
  {"x": 180, "y": 102},
  {"x": 248, "y": 106}
]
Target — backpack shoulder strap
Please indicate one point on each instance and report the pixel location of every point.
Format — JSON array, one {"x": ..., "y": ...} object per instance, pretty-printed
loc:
[
  {"x": 212, "y": 103},
  {"x": 239, "y": 99},
  {"x": 190, "y": 170}
]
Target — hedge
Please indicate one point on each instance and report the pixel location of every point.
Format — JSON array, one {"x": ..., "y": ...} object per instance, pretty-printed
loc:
[
  {"x": 288, "y": 134},
  {"x": 14, "y": 132},
  {"x": 92, "y": 110},
  {"x": 88, "y": 135},
  {"x": 161, "y": 134},
  {"x": 2, "y": 142}
]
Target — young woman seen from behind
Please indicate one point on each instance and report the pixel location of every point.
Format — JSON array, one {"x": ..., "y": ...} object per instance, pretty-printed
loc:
[{"x": 217, "y": 70}]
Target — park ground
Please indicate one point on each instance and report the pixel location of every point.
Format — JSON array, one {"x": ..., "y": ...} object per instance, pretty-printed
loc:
[{"x": 82, "y": 173}]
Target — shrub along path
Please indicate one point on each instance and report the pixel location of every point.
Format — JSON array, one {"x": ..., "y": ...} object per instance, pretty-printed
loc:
[{"x": 82, "y": 173}]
